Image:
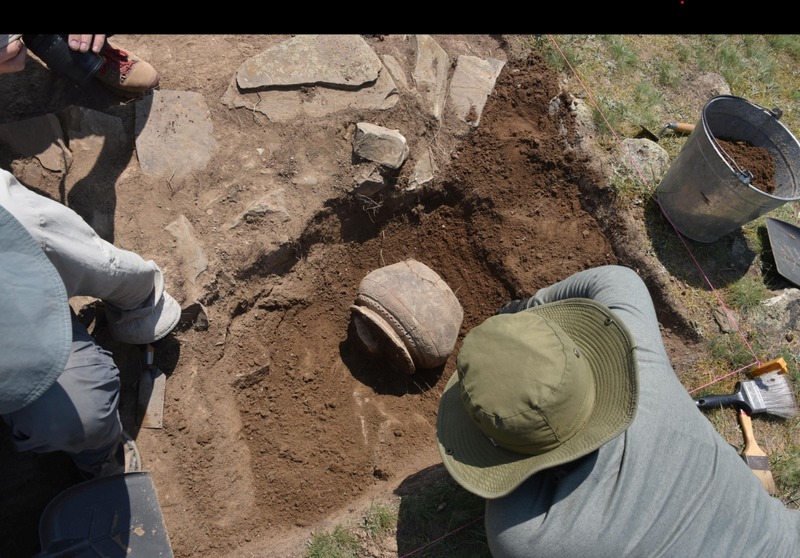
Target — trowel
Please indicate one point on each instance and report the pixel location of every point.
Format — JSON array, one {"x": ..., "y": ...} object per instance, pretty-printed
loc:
[
  {"x": 785, "y": 241},
  {"x": 679, "y": 127},
  {"x": 152, "y": 389}
]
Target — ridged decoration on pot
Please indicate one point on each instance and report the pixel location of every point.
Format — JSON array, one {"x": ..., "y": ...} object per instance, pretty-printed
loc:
[{"x": 406, "y": 312}]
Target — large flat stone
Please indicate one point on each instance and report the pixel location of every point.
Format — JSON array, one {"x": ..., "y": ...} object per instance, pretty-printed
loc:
[
  {"x": 339, "y": 60},
  {"x": 39, "y": 137},
  {"x": 472, "y": 83},
  {"x": 282, "y": 106},
  {"x": 91, "y": 134},
  {"x": 430, "y": 74},
  {"x": 173, "y": 133}
]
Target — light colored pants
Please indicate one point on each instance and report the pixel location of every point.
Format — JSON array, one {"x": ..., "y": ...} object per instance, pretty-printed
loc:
[{"x": 78, "y": 414}]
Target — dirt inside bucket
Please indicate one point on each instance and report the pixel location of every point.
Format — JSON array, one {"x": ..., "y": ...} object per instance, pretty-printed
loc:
[{"x": 755, "y": 159}]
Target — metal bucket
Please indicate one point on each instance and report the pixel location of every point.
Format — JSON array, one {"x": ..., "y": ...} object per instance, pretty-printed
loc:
[{"x": 704, "y": 195}]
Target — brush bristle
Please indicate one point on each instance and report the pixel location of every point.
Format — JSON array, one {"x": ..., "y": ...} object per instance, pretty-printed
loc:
[{"x": 778, "y": 394}]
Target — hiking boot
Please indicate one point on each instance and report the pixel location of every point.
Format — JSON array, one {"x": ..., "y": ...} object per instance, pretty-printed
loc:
[{"x": 125, "y": 73}]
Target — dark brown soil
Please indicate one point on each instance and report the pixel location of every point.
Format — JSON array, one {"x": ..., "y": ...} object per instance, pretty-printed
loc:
[{"x": 755, "y": 159}]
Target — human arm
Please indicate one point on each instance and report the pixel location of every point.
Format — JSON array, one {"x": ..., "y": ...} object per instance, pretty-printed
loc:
[{"x": 138, "y": 309}]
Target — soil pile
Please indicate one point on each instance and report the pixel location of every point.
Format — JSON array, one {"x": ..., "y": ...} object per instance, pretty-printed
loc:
[{"x": 755, "y": 159}]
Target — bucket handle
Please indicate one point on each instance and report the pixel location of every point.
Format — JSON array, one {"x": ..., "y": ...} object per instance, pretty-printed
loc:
[
  {"x": 745, "y": 175},
  {"x": 775, "y": 112}
]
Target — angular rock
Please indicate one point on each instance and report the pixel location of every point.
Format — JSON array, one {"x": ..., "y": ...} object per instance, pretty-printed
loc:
[
  {"x": 472, "y": 83},
  {"x": 423, "y": 169},
  {"x": 381, "y": 145},
  {"x": 369, "y": 181},
  {"x": 585, "y": 126},
  {"x": 727, "y": 324},
  {"x": 272, "y": 203},
  {"x": 396, "y": 70},
  {"x": 192, "y": 255},
  {"x": 651, "y": 159},
  {"x": 554, "y": 105},
  {"x": 39, "y": 137},
  {"x": 779, "y": 313},
  {"x": 430, "y": 74},
  {"x": 339, "y": 60},
  {"x": 173, "y": 133}
]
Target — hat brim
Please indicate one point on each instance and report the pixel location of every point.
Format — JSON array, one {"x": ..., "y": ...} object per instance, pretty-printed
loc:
[{"x": 491, "y": 471}]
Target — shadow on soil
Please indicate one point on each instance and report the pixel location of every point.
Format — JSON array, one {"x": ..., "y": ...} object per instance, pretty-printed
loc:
[
  {"x": 724, "y": 261},
  {"x": 377, "y": 373}
]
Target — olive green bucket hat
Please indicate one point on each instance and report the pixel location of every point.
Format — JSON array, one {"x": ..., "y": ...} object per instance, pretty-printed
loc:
[{"x": 534, "y": 390}]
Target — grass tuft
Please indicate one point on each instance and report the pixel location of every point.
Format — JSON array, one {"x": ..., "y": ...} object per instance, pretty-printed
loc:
[
  {"x": 747, "y": 292},
  {"x": 339, "y": 543},
  {"x": 379, "y": 520},
  {"x": 786, "y": 470}
]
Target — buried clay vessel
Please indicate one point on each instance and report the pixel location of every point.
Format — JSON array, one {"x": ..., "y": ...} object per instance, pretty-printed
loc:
[{"x": 407, "y": 313}]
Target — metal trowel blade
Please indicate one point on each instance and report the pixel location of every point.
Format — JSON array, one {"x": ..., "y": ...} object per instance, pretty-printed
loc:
[
  {"x": 152, "y": 389},
  {"x": 785, "y": 240}
]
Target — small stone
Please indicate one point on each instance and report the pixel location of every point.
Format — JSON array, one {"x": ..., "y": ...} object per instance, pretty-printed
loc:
[{"x": 379, "y": 144}]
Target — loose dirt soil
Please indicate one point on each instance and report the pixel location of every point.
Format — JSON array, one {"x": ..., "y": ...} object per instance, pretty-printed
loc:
[
  {"x": 275, "y": 424},
  {"x": 755, "y": 159}
]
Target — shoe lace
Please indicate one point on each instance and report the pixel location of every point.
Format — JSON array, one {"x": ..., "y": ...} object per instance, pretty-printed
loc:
[{"x": 116, "y": 59}]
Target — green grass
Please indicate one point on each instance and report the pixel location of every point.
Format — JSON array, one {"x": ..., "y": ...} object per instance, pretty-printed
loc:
[
  {"x": 728, "y": 352},
  {"x": 667, "y": 72},
  {"x": 418, "y": 520},
  {"x": 747, "y": 292},
  {"x": 379, "y": 520},
  {"x": 339, "y": 543},
  {"x": 620, "y": 51},
  {"x": 786, "y": 471}
]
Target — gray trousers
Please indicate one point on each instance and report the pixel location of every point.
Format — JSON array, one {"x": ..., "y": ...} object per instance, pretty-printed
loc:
[{"x": 78, "y": 414}]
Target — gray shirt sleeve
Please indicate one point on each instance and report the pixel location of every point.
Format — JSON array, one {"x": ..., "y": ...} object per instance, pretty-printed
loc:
[{"x": 668, "y": 486}]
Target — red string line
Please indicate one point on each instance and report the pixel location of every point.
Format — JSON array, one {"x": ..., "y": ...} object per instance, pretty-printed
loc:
[
  {"x": 443, "y": 536},
  {"x": 728, "y": 312}
]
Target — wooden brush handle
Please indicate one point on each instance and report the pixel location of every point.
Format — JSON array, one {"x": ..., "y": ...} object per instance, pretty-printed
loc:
[
  {"x": 750, "y": 444},
  {"x": 754, "y": 456}
]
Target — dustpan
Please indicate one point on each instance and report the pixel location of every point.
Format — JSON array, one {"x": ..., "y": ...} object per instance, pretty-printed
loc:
[
  {"x": 110, "y": 517},
  {"x": 785, "y": 241}
]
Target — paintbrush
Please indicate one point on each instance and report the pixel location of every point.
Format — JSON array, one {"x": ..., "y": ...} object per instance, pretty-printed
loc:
[{"x": 770, "y": 393}]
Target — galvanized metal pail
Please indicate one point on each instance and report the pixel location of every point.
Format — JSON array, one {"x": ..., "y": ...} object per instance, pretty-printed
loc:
[{"x": 704, "y": 195}]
